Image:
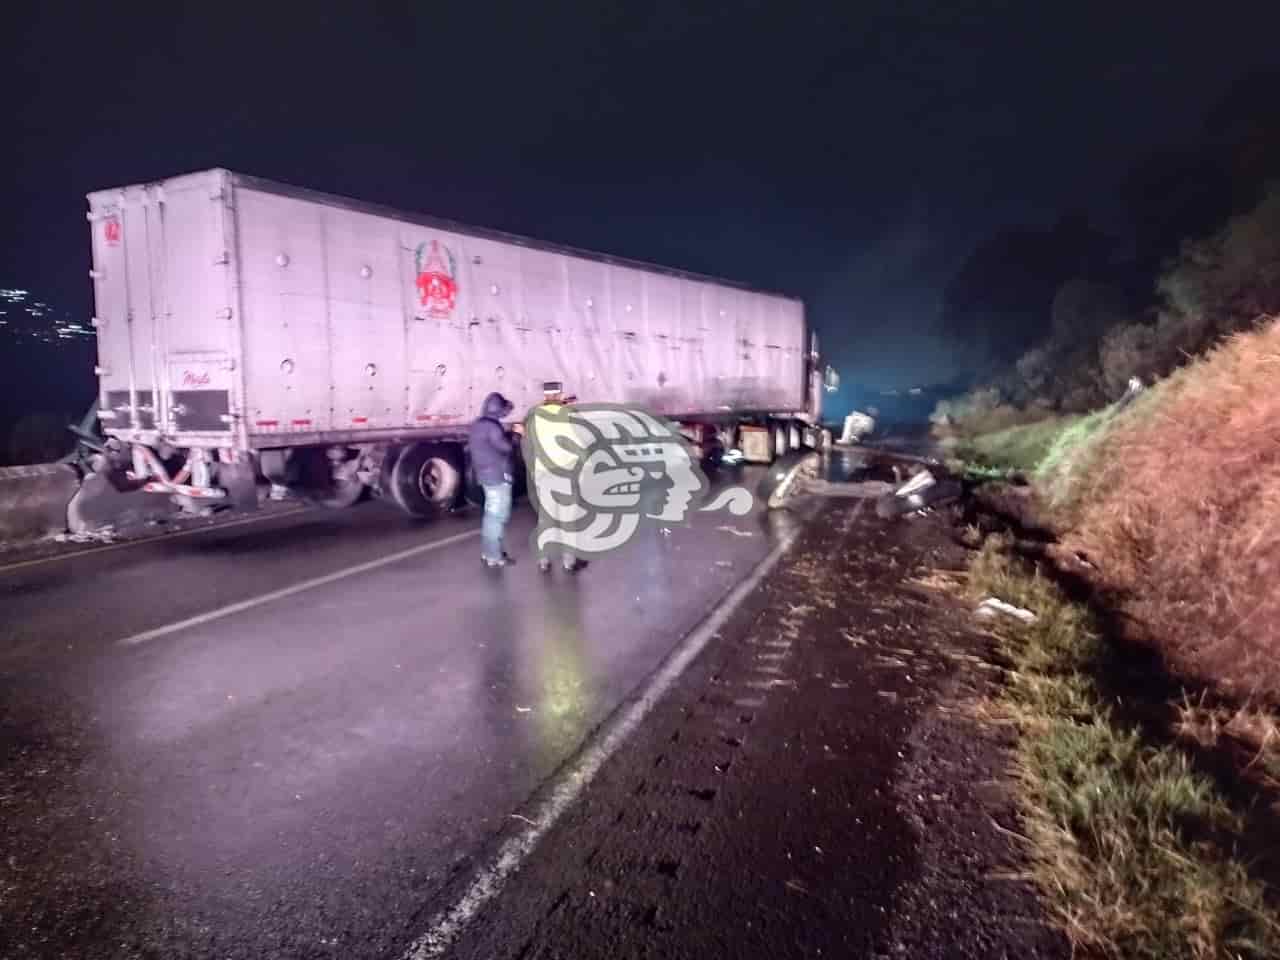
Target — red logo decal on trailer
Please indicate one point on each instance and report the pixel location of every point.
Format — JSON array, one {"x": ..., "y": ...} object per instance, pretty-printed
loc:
[
  {"x": 191, "y": 379},
  {"x": 111, "y": 231},
  {"x": 437, "y": 280}
]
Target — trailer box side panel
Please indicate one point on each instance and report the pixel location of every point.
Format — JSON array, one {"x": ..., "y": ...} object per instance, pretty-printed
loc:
[
  {"x": 367, "y": 327},
  {"x": 286, "y": 313},
  {"x": 236, "y": 308}
]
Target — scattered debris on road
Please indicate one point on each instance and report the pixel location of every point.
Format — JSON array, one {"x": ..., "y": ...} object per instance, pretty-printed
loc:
[
  {"x": 919, "y": 493},
  {"x": 857, "y": 425},
  {"x": 101, "y": 535}
]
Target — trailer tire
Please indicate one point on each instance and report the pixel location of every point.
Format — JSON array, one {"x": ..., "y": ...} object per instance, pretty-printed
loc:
[
  {"x": 785, "y": 477},
  {"x": 311, "y": 474},
  {"x": 425, "y": 479}
]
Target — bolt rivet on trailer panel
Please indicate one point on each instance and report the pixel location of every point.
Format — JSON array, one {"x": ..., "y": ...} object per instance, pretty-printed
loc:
[
  {"x": 440, "y": 368},
  {"x": 282, "y": 259},
  {"x": 499, "y": 372},
  {"x": 371, "y": 369},
  {"x": 628, "y": 308},
  {"x": 494, "y": 289},
  {"x": 287, "y": 366},
  {"x": 590, "y": 303},
  {"x": 366, "y": 271}
]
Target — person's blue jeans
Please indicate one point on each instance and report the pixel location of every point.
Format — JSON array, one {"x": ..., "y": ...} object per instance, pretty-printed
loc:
[{"x": 497, "y": 511}]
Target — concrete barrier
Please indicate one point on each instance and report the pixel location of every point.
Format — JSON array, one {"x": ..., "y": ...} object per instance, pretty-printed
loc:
[{"x": 33, "y": 500}]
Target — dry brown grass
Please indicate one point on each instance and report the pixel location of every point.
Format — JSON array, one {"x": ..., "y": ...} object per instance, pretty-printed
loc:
[
  {"x": 1184, "y": 515},
  {"x": 1249, "y": 734},
  {"x": 1112, "y": 822}
]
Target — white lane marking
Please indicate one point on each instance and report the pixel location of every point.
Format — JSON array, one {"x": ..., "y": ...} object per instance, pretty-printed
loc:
[
  {"x": 75, "y": 554},
  {"x": 447, "y": 926},
  {"x": 305, "y": 585}
]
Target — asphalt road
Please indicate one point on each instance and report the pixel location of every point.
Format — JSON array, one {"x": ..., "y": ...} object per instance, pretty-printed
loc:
[{"x": 289, "y": 737}]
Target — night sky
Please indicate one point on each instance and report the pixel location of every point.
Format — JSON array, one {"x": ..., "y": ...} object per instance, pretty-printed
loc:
[{"x": 851, "y": 154}]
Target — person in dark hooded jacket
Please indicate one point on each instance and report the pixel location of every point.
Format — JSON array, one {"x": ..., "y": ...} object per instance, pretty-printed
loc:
[{"x": 492, "y": 457}]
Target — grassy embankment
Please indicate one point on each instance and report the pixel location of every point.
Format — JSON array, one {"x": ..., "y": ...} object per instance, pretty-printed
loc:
[{"x": 1148, "y": 762}]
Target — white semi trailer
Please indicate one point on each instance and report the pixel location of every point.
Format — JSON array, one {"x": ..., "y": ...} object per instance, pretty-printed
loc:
[{"x": 250, "y": 331}]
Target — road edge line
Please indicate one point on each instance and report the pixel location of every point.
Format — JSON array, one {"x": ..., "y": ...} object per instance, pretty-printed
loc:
[{"x": 448, "y": 925}]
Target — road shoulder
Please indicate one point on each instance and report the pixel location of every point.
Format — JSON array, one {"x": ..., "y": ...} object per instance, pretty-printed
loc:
[{"x": 813, "y": 785}]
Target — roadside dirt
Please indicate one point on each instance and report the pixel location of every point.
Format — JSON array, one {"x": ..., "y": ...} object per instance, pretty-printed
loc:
[{"x": 814, "y": 786}]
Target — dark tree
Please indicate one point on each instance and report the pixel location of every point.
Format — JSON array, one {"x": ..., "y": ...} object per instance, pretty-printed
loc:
[{"x": 1002, "y": 297}]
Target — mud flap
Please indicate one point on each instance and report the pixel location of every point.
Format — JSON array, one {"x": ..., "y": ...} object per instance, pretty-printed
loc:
[{"x": 241, "y": 483}]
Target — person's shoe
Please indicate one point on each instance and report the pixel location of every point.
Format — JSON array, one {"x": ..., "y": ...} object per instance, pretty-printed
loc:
[
  {"x": 500, "y": 562},
  {"x": 544, "y": 565}
]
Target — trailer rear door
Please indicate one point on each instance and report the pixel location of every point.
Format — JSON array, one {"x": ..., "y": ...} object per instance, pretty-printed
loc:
[{"x": 166, "y": 324}]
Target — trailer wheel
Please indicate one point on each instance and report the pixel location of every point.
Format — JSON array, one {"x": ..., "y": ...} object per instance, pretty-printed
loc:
[
  {"x": 341, "y": 493},
  {"x": 313, "y": 475},
  {"x": 780, "y": 437},
  {"x": 786, "y": 477},
  {"x": 426, "y": 478}
]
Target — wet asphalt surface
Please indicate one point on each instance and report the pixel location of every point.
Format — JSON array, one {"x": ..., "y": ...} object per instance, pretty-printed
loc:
[
  {"x": 813, "y": 786},
  {"x": 321, "y": 774},
  {"x": 304, "y": 776}
]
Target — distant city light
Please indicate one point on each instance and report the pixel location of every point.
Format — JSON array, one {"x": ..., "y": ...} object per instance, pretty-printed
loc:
[{"x": 26, "y": 319}]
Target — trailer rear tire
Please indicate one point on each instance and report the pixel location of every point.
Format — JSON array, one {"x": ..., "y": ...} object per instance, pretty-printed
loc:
[
  {"x": 426, "y": 478},
  {"x": 313, "y": 475},
  {"x": 342, "y": 493},
  {"x": 780, "y": 437}
]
